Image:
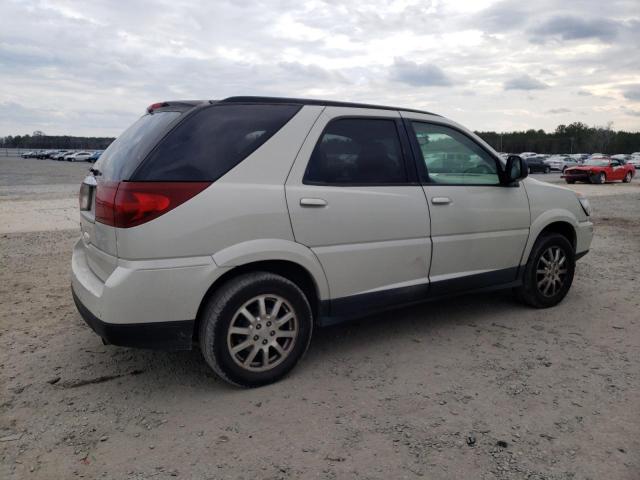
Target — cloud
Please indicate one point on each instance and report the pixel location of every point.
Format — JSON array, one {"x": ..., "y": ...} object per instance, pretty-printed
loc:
[
  {"x": 632, "y": 92},
  {"x": 77, "y": 67},
  {"x": 559, "y": 110},
  {"x": 568, "y": 27},
  {"x": 419, "y": 74},
  {"x": 524, "y": 82}
]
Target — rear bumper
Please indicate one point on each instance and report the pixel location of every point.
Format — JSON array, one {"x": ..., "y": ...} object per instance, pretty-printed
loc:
[
  {"x": 157, "y": 335},
  {"x": 146, "y": 303}
]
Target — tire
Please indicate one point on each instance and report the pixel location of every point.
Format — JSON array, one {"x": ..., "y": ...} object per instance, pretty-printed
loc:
[
  {"x": 599, "y": 178},
  {"x": 537, "y": 292},
  {"x": 571, "y": 182},
  {"x": 627, "y": 178},
  {"x": 223, "y": 311},
  {"x": 547, "y": 170}
]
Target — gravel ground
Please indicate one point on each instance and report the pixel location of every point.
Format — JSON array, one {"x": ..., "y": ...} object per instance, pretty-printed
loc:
[{"x": 477, "y": 387}]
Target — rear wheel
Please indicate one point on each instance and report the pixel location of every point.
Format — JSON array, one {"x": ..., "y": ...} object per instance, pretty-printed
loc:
[
  {"x": 255, "y": 329},
  {"x": 547, "y": 169},
  {"x": 571, "y": 181},
  {"x": 549, "y": 272},
  {"x": 627, "y": 178}
]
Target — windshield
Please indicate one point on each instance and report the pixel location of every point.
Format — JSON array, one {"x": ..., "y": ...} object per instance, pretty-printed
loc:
[
  {"x": 122, "y": 157},
  {"x": 597, "y": 162}
]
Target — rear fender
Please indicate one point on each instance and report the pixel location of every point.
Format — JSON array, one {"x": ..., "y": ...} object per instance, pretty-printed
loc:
[{"x": 275, "y": 249}]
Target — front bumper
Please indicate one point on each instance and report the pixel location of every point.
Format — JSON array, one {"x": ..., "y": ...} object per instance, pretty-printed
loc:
[
  {"x": 584, "y": 235},
  {"x": 576, "y": 176}
]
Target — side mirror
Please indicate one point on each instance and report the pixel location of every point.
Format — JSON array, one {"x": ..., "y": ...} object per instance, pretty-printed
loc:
[{"x": 516, "y": 169}]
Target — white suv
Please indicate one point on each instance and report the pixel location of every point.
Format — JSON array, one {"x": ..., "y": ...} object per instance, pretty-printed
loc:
[{"x": 243, "y": 224}]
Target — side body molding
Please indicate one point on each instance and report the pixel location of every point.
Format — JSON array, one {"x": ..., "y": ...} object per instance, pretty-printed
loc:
[{"x": 275, "y": 249}]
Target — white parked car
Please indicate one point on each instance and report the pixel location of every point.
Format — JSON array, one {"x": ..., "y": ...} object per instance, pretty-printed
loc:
[
  {"x": 244, "y": 224},
  {"x": 528, "y": 154},
  {"x": 634, "y": 160},
  {"x": 78, "y": 156}
]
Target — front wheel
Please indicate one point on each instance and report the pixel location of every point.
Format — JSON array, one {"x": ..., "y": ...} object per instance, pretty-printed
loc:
[
  {"x": 547, "y": 169},
  {"x": 627, "y": 178},
  {"x": 549, "y": 272},
  {"x": 599, "y": 178},
  {"x": 255, "y": 329}
]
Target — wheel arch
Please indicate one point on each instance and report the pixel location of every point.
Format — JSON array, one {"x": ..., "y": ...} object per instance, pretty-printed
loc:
[
  {"x": 560, "y": 222},
  {"x": 282, "y": 257}
]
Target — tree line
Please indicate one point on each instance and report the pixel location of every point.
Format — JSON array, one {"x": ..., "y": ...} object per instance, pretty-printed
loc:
[
  {"x": 41, "y": 141},
  {"x": 573, "y": 138},
  {"x": 576, "y": 137}
]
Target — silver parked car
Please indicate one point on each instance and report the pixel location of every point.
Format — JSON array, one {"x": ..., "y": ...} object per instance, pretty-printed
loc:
[
  {"x": 244, "y": 224},
  {"x": 560, "y": 162}
]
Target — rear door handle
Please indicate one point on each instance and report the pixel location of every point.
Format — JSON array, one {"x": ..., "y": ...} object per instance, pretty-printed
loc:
[
  {"x": 313, "y": 202},
  {"x": 441, "y": 200}
]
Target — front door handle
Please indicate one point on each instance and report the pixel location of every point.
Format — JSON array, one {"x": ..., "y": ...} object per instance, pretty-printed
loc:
[
  {"x": 441, "y": 200},
  {"x": 313, "y": 202}
]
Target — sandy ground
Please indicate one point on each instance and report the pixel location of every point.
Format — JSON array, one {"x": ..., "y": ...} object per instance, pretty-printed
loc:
[{"x": 478, "y": 387}]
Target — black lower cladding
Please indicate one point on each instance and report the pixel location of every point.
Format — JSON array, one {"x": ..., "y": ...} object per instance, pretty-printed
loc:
[
  {"x": 155, "y": 335},
  {"x": 341, "y": 309}
]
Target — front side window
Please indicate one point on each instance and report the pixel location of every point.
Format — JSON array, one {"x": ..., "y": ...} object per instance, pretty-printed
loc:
[
  {"x": 452, "y": 158},
  {"x": 357, "y": 151}
]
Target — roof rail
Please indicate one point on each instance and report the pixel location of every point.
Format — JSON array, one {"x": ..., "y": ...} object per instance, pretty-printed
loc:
[{"x": 311, "y": 101}]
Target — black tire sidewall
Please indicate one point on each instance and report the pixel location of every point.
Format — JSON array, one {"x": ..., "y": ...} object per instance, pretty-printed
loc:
[
  {"x": 530, "y": 280},
  {"x": 263, "y": 284}
]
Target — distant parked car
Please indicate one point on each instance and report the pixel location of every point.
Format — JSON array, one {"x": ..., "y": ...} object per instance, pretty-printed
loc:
[
  {"x": 43, "y": 154},
  {"x": 634, "y": 160},
  {"x": 600, "y": 170},
  {"x": 537, "y": 163},
  {"x": 60, "y": 155},
  {"x": 622, "y": 157},
  {"x": 79, "y": 156},
  {"x": 579, "y": 157},
  {"x": 95, "y": 156},
  {"x": 29, "y": 154},
  {"x": 528, "y": 154},
  {"x": 560, "y": 162}
]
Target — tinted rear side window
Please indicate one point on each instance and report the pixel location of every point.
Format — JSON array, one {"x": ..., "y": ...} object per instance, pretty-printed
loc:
[
  {"x": 212, "y": 141},
  {"x": 126, "y": 152},
  {"x": 357, "y": 151}
]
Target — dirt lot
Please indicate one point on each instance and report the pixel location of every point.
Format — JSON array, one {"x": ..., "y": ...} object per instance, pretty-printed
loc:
[{"x": 430, "y": 391}]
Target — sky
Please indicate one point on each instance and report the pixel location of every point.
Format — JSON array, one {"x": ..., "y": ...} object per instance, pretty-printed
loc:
[{"x": 92, "y": 67}]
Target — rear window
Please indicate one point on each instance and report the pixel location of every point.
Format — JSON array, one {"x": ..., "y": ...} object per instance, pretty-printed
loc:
[
  {"x": 124, "y": 155},
  {"x": 211, "y": 141}
]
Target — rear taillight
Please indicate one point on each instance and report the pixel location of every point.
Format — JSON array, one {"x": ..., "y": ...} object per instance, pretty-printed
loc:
[{"x": 128, "y": 204}]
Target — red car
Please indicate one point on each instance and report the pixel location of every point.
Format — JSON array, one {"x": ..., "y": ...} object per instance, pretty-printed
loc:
[{"x": 600, "y": 170}]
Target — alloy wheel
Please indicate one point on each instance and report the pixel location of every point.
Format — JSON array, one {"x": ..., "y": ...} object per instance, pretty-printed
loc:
[
  {"x": 262, "y": 333},
  {"x": 551, "y": 271}
]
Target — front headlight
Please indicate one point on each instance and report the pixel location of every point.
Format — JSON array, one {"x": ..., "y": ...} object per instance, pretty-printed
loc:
[{"x": 584, "y": 203}]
